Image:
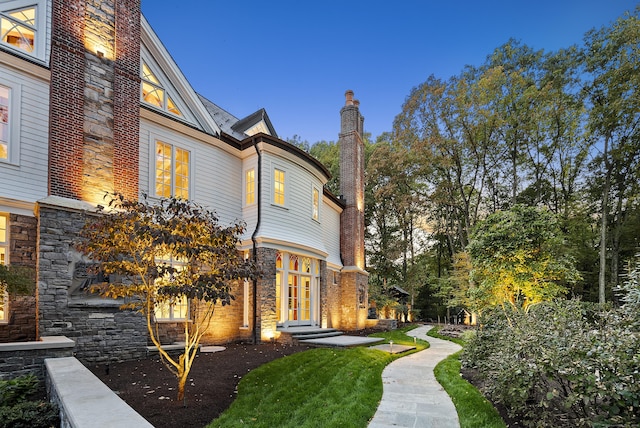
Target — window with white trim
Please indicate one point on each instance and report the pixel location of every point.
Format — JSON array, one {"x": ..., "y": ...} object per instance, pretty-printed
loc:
[
  {"x": 278, "y": 186},
  {"x": 153, "y": 93},
  {"x": 4, "y": 259},
  {"x": 22, "y": 26},
  {"x": 172, "y": 171},
  {"x": 176, "y": 308},
  {"x": 250, "y": 187},
  {"x": 315, "y": 214},
  {"x": 5, "y": 114}
]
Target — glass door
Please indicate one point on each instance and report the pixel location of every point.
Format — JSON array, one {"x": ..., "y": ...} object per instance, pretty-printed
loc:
[{"x": 299, "y": 300}]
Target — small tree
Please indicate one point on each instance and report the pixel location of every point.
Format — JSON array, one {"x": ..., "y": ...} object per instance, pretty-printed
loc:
[
  {"x": 139, "y": 242},
  {"x": 518, "y": 257}
]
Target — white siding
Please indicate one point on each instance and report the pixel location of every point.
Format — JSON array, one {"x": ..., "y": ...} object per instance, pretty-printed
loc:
[
  {"x": 26, "y": 178},
  {"x": 216, "y": 175},
  {"x": 331, "y": 232},
  {"x": 292, "y": 223}
]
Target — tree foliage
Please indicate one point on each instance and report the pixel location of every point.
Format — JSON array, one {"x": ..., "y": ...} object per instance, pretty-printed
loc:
[
  {"x": 518, "y": 258},
  {"x": 156, "y": 253}
]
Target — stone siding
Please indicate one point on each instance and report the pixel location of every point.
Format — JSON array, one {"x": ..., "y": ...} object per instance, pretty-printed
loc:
[
  {"x": 102, "y": 331},
  {"x": 22, "y": 309}
]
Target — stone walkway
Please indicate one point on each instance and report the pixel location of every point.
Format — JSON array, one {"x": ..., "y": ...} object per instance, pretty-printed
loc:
[{"x": 412, "y": 397}]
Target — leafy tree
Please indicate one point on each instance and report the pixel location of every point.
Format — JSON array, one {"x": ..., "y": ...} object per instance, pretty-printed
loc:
[
  {"x": 329, "y": 154},
  {"x": 164, "y": 251},
  {"x": 518, "y": 258},
  {"x": 611, "y": 60}
]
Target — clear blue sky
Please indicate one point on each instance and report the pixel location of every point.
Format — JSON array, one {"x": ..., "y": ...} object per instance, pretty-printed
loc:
[{"x": 297, "y": 58}]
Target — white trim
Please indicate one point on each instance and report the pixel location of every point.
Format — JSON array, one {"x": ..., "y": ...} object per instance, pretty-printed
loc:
[
  {"x": 40, "y": 39},
  {"x": 15, "y": 104},
  {"x": 164, "y": 61},
  {"x": 316, "y": 215},
  {"x": 153, "y": 140}
]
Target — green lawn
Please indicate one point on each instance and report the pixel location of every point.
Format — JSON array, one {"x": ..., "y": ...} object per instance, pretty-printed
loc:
[
  {"x": 322, "y": 387},
  {"x": 329, "y": 387},
  {"x": 473, "y": 409}
]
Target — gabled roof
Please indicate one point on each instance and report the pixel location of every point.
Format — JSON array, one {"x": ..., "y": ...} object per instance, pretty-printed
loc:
[
  {"x": 154, "y": 51},
  {"x": 253, "y": 121}
]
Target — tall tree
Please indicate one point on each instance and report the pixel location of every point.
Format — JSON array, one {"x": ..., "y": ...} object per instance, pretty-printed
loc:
[{"x": 612, "y": 55}]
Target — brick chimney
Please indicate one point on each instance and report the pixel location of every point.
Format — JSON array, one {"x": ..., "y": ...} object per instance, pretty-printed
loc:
[
  {"x": 95, "y": 98},
  {"x": 354, "y": 278}
]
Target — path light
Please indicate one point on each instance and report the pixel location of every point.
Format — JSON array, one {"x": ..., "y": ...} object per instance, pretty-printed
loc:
[
  {"x": 391, "y": 346},
  {"x": 415, "y": 340}
]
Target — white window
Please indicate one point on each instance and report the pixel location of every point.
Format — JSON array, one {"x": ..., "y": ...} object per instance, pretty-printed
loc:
[
  {"x": 9, "y": 121},
  {"x": 250, "y": 187},
  {"x": 22, "y": 26},
  {"x": 154, "y": 94},
  {"x": 172, "y": 173},
  {"x": 176, "y": 308},
  {"x": 4, "y": 259},
  {"x": 278, "y": 187},
  {"x": 315, "y": 214}
]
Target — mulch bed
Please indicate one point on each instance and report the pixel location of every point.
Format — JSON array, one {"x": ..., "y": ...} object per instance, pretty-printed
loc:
[{"x": 149, "y": 387}]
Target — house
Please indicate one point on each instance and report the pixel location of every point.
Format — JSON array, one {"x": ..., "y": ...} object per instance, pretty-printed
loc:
[{"x": 90, "y": 102}]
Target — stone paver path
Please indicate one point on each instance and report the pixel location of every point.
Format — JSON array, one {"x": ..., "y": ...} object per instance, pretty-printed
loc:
[{"x": 412, "y": 397}]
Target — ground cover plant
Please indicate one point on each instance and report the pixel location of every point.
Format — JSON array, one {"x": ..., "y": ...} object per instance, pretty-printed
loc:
[
  {"x": 561, "y": 364},
  {"x": 319, "y": 387},
  {"x": 19, "y": 407},
  {"x": 474, "y": 410}
]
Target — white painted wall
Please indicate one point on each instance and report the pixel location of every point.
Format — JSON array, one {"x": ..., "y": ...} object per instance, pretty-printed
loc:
[
  {"x": 216, "y": 175},
  {"x": 24, "y": 176}
]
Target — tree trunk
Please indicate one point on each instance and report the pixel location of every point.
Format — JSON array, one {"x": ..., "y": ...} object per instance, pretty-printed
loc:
[{"x": 603, "y": 224}]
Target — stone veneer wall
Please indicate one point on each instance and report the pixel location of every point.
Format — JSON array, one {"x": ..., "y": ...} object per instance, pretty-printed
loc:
[
  {"x": 266, "y": 321},
  {"x": 22, "y": 309},
  {"x": 102, "y": 332},
  {"x": 29, "y": 360},
  {"x": 330, "y": 295}
]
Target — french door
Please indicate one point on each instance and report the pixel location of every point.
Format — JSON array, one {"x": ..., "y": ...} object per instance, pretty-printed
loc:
[{"x": 299, "y": 299}]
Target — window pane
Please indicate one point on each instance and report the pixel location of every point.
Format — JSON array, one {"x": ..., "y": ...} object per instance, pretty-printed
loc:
[
  {"x": 250, "y": 187},
  {"x": 171, "y": 107},
  {"x": 3, "y": 229},
  {"x": 316, "y": 203},
  {"x": 163, "y": 169},
  {"x": 4, "y": 122},
  {"x": 278, "y": 187},
  {"x": 182, "y": 173},
  {"x": 278, "y": 296},
  {"x": 152, "y": 94},
  {"x": 148, "y": 75},
  {"x": 180, "y": 308},
  {"x": 18, "y": 29}
]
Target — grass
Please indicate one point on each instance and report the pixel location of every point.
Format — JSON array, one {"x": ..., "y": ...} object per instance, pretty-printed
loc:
[
  {"x": 474, "y": 410},
  {"x": 316, "y": 388}
]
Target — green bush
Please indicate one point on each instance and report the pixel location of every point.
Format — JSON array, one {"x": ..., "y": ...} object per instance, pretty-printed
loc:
[
  {"x": 16, "y": 390},
  {"x": 16, "y": 411},
  {"x": 565, "y": 363},
  {"x": 29, "y": 414}
]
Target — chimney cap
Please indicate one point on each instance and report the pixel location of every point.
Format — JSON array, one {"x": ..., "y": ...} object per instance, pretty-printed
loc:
[{"x": 349, "y": 97}]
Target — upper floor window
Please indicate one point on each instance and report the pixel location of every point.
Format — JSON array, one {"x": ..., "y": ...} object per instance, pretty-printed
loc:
[
  {"x": 4, "y": 122},
  {"x": 18, "y": 28},
  {"x": 4, "y": 252},
  {"x": 278, "y": 187},
  {"x": 250, "y": 186},
  {"x": 153, "y": 93},
  {"x": 316, "y": 204},
  {"x": 172, "y": 174}
]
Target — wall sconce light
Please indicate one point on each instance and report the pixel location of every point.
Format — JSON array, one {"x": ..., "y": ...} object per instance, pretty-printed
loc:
[{"x": 100, "y": 53}]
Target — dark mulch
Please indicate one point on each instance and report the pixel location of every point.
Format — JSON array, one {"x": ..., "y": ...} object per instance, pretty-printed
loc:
[{"x": 149, "y": 387}]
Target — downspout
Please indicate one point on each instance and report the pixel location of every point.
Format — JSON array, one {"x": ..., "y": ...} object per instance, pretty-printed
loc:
[{"x": 253, "y": 239}]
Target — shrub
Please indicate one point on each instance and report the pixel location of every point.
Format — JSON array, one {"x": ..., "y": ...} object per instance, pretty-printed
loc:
[
  {"x": 16, "y": 411},
  {"x": 18, "y": 389},
  {"x": 565, "y": 363}
]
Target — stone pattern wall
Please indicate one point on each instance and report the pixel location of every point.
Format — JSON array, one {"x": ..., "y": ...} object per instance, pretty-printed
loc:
[
  {"x": 331, "y": 300},
  {"x": 266, "y": 318},
  {"x": 17, "y": 363},
  {"x": 102, "y": 331},
  {"x": 22, "y": 309},
  {"x": 227, "y": 320}
]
